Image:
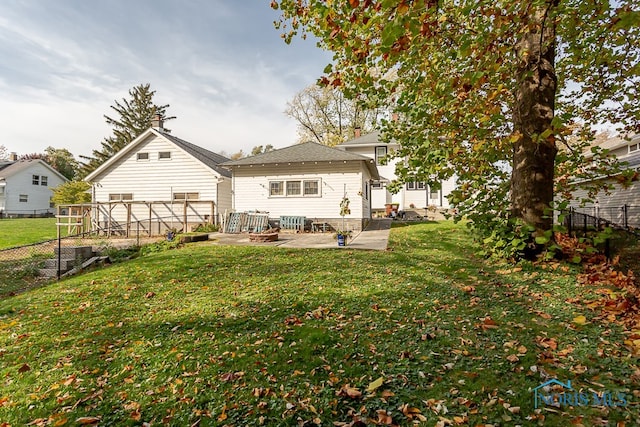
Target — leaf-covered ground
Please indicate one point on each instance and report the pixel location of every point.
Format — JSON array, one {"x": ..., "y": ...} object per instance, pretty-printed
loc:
[{"x": 425, "y": 333}]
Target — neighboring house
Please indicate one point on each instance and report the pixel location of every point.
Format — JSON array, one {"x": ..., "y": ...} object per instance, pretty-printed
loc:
[
  {"x": 413, "y": 195},
  {"x": 622, "y": 205},
  {"x": 157, "y": 182},
  {"x": 25, "y": 187},
  {"x": 306, "y": 180}
]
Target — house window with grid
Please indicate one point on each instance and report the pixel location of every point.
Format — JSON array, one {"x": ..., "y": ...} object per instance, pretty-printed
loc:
[
  {"x": 118, "y": 197},
  {"x": 416, "y": 185},
  {"x": 312, "y": 187},
  {"x": 276, "y": 188},
  {"x": 381, "y": 153},
  {"x": 44, "y": 180},
  {"x": 143, "y": 156},
  {"x": 634, "y": 147},
  {"x": 186, "y": 196},
  {"x": 35, "y": 179},
  {"x": 164, "y": 155},
  {"x": 294, "y": 188},
  {"x": 24, "y": 198}
]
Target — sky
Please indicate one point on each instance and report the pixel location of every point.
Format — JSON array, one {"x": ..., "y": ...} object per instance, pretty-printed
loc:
[{"x": 220, "y": 65}]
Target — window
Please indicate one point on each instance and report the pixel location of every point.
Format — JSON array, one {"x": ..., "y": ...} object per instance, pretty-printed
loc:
[
  {"x": 293, "y": 188},
  {"x": 1, "y": 190},
  {"x": 381, "y": 152},
  {"x": 35, "y": 179},
  {"x": 634, "y": 147},
  {"x": 434, "y": 193},
  {"x": 143, "y": 156},
  {"x": 276, "y": 188},
  {"x": 312, "y": 188},
  {"x": 416, "y": 185},
  {"x": 186, "y": 196},
  {"x": 44, "y": 181},
  {"x": 376, "y": 184},
  {"x": 116, "y": 197},
  {"x": 164, "y": 155},
  {"x": 24, "y": 198}
]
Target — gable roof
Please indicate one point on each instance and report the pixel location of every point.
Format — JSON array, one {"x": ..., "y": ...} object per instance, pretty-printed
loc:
[
  {"x": 8, "y": 168},
  {"x": 208, "y": 158},
  {"x": 305, "y": 152},
  {"x": 366, "y": 140}
]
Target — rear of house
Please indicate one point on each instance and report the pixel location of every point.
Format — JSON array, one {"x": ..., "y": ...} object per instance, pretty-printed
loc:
[
  {"x": 306, "y": 180},
  {"x": 160, "y": 182},
  {"x": 414, "y": 195}
]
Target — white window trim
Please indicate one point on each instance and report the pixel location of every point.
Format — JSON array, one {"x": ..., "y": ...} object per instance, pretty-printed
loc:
[
  {"x": 35, "y": 179},
  {"x": 634, "y": 147},
  {"x": 164, "y": 159},
  {"x": 23, "y": 198},
  {"x": 44, "y": 180},
  {"x": 301, "y": 195},
  {"x": 379, "y": 158},
  {"x": 186, "y": 196},
  {"x": 416, "y": 186},
  {"x": 143, "y": 160},
  {"x": 120, "y": 197}
]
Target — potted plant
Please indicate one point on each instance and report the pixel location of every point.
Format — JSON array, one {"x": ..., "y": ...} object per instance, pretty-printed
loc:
[{"x": 342, "y": 236}]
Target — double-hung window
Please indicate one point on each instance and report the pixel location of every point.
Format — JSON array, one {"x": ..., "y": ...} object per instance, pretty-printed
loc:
[
  {"x": 381, "y": 153},
  {"x": 295, "y": 188}
]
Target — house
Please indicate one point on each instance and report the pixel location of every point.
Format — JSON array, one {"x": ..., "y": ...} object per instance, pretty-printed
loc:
[
  {"x": 622, "y": 205},
  {"x": 159, "y": 182},
  {"x": 306, "y": 180},
  {"x": 25, "y": 187},
  {"x": 413, "y": 195}
]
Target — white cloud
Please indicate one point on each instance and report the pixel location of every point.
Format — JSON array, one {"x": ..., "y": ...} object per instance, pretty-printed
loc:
[{"x": 220, "y": 65}]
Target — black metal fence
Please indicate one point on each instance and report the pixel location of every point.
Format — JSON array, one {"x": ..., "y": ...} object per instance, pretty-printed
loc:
[{"x": 624, "y": 217}]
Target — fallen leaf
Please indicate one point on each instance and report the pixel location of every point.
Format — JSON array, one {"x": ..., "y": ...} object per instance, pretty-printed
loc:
[
  {"x": 580, "y": 320},
  {"x": 375, "y": 385},
  {"x": 88, "y": 420}
]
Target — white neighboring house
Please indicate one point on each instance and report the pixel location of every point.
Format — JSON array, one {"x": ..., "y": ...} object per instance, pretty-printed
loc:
[
  {"x": 622, "y": 205},
  {"x": 413, "y": 195},
  {"x": 156, "y": 182},
  {"x": 306, "y": 180},
  {"x": 25, "y": 187}
]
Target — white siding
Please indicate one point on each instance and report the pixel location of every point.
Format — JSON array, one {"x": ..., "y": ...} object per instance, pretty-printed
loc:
[
  {"x": 251, "y": 189},
  {"x": 404, "y": 198},
  {"x": 38, "y": 196},
  {"x": 158, "y": 179}
]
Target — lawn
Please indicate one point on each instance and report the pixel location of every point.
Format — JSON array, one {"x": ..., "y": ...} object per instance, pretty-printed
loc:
[
  {"x": 25, "y": 231},
  {"x": 425, "y": 333}
]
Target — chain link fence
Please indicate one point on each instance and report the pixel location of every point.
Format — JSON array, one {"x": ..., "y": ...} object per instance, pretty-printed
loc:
[{"x": 28, "y": 266}]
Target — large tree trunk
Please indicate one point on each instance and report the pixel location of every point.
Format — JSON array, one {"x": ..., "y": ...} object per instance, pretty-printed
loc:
[{"x": 535, "y": 150}]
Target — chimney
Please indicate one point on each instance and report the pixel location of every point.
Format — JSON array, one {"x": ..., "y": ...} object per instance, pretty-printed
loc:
[
  {"x": 357, "y": 131},
  {"x": 156, "y": 122},
  {"x": 13, "y": 156}
]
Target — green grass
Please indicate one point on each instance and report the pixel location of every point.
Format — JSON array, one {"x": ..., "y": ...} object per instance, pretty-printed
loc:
[
  {"x": 25, "y": 231},
  {"x": 270, "y": 336}
]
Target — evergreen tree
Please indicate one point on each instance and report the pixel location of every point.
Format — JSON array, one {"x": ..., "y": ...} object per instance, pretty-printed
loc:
[{"x": 133, "y": 117}]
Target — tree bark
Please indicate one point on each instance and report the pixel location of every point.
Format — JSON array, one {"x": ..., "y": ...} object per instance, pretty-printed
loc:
[{"x": 535, "y": 149}]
